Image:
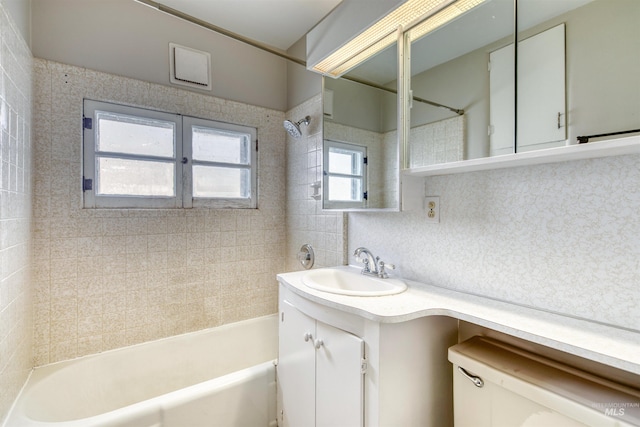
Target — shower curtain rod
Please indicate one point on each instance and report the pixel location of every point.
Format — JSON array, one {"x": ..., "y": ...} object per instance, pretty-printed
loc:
[
  {"x": 192, "y": 19},
  {"x": 415, "y": 98}
]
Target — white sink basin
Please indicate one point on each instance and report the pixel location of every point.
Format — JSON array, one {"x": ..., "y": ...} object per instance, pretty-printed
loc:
[{"x": 351, "y": 282}]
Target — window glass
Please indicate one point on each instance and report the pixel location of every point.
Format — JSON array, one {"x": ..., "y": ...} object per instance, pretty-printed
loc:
[
  {"x": 345, "y": 189},
  {"x": 119, "y": 133},
  {"x": 126, "y": 177},
  {"x": 211, "y": 181},
  {"x": 346, "y": 162},
  {"x": 214, "y": 145}
]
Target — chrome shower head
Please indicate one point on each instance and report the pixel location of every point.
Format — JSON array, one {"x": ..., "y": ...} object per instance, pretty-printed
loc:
[{"x": 294, "y": 128}]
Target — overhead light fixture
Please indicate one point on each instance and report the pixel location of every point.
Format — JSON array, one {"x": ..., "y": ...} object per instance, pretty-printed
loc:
[
  {"x": 446, "y": 15},
  {"x": 428, "y": 14}
]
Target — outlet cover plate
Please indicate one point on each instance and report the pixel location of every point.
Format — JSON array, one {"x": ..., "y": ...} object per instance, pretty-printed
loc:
[{"x": 432, "y": 209}]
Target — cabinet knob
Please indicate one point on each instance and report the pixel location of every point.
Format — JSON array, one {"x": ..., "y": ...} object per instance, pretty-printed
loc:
[
  {"x": 318, "y": 344},
  {"x": 307, "y": 337}
]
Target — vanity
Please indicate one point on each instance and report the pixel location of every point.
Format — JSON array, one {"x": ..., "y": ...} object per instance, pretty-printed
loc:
[
  {"x": 382, "y": 360},
  {"x": 342, "y": 366}
]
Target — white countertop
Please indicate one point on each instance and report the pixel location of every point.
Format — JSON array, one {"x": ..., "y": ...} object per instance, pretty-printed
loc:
[{"x": 609, "y": 345}]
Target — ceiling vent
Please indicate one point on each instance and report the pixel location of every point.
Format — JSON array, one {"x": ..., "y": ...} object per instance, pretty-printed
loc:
[{"x": 189, "y": 67}]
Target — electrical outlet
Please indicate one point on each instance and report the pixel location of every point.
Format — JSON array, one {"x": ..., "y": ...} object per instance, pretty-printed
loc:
[{"x": 432, "y": 208}]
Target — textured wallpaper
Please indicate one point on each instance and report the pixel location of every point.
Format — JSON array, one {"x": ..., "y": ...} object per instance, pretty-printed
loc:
[{"x": 563, "y": 237}]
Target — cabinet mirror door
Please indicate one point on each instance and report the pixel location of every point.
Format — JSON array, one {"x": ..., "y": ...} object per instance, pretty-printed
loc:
[
  {"x": 576, "y": 75},
  {"x": 451, "y": 78},
  {"x": 360, "y": 167},
  {"x": 578, "y": 64}
]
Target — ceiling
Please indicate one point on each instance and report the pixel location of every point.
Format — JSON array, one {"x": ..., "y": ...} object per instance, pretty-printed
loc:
[{"x": 277, "y": 23}]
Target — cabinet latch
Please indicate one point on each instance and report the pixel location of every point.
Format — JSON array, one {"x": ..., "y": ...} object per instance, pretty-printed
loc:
[{"x": 363, "y": 366}]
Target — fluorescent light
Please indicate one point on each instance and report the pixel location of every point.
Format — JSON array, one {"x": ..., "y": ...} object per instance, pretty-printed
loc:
[
  {"x": 383, "y": 33},
  {"x": 443, "y": 17}
]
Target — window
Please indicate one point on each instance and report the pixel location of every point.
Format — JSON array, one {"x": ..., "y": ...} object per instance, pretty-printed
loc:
[
  {"x": 137, "y": 158},
  {"x": 344, "y": 175}
]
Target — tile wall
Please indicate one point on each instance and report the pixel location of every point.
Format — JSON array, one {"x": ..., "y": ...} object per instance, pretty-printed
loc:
[
  {"x": 15, "y": 211},
  {"x": 306, "y": 221},
  {"x": 110, "y": 278},
  {"x": 437, "y": 142}
]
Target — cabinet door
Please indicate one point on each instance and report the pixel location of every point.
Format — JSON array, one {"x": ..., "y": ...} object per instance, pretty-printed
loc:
[
  {"x": 339, "y": 378},
  {"x": 296, "y": 367},
  {"x": 541, "y": 93},
  {"x": 541, "y": 89},
  {"x": 501, "y": 101}
]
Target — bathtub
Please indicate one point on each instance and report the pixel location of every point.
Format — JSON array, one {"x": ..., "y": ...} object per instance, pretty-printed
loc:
[{"x": 223, "y": 376}]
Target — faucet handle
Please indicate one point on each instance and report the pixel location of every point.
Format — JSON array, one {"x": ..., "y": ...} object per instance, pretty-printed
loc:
[
  {"x": 367, "y": 267},
  {"x": 387, "y": 266},
  {"x": 382, "y": 269}
]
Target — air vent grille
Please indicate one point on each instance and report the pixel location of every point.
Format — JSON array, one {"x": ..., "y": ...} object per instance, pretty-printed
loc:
[{"x": 190, "y": 67}]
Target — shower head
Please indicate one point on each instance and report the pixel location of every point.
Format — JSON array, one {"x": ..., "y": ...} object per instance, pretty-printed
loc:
[{"x": 294, "y": 128}]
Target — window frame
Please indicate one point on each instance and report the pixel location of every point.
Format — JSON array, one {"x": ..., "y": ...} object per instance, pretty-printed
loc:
[
  {"x": 338, "y": 204},
  {"x": 182, "y": 161},
  {"x": 218, "y": 202}
]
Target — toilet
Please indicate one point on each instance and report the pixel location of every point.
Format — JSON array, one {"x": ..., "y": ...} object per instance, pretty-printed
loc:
[{"x": 498, "y": 385}]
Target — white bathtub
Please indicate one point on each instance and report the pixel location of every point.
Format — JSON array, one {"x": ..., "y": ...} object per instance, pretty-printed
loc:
[{"x": 222, "y": 376}]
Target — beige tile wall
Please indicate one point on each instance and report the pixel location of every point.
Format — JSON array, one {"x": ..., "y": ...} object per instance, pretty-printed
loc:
[
  {"x": 15, "y": 211},
  {"x": 111, "y": 278},
  {"x": 437, "y": 142},
  {"x": 306, "y": 221}
]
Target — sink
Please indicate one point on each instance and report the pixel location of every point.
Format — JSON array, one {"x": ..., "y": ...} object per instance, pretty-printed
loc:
[{"x": 351, "y": 282}]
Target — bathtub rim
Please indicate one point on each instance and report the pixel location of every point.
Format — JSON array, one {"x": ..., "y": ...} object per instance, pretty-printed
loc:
[
  {"x": 156, "y": 402},
  {"x": 37, "y": 373}
]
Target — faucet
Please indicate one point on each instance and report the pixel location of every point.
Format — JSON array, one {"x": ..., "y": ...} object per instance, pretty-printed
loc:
[{"x": 373, "y": 266}]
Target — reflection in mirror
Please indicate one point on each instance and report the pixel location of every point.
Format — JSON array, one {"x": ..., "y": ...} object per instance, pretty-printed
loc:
[
  {"x": 599, "y": 41},
  {"x": 577, "y": 75},
  {"x": 450, "y": 66},
  {"x": 360, "y": 148}
]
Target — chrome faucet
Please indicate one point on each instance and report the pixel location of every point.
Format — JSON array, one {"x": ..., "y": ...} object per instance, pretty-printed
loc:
[{"x": 373, "y": 266}]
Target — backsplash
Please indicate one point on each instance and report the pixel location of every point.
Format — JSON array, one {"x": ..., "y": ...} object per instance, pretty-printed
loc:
[
  {"x": 16, "y": 193},
  {"x": 108, "y": 278},
  {"x": 563, "y": 237}
]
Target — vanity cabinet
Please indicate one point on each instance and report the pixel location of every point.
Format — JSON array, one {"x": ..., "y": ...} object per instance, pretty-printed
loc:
[
  {"x": 339, "y": 369},
  {"x": 319, "y": 372}
]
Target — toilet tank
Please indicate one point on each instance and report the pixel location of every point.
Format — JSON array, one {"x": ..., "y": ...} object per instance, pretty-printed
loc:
[{"x": 498, "y": 385}]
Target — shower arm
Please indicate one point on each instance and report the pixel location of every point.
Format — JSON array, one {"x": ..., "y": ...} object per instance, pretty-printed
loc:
[{"x": 192, "y": 19}]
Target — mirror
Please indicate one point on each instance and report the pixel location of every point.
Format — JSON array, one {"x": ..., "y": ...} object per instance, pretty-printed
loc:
[
  {"x": 449, "y": 66},
  {"x": 577, "y": 75},
  {"x": 602, "y": 58},
  {"x": 360, "y": 149}
]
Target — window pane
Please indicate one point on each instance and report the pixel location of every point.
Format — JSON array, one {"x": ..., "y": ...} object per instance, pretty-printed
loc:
[
  {"x": 135, "y": 177},
  {"x": 215, "y": 145},
  {"x": 345, "y": 189},
  {"x": 119, "y": 133},
  {"x": 210, "y": 181},
  {"x": 345, "y": 162}
]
